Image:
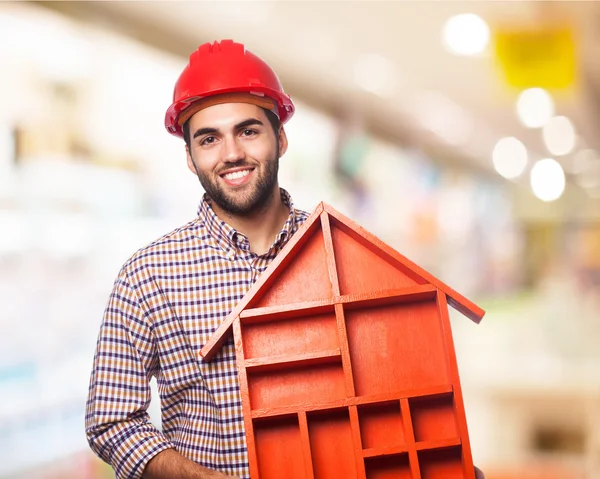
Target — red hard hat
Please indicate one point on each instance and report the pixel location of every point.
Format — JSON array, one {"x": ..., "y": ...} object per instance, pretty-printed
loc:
[{"x": 225, "y": 67}]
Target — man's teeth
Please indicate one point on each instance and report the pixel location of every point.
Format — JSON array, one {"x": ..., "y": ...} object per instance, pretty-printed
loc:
[{"x": 236, "y": 174}]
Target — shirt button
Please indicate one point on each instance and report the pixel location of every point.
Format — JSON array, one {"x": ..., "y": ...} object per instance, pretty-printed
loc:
[{"x": 231, "y": 254}]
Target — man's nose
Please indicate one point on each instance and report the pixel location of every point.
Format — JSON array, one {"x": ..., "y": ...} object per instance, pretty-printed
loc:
[{"x": 233, "y": 151}]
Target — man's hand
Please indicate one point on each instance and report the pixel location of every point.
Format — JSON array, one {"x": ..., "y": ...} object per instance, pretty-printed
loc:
[{"x": 169, "y": 464}]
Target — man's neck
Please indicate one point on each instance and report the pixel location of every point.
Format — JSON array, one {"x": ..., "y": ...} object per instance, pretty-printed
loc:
[{"x": 261, "y": 227}]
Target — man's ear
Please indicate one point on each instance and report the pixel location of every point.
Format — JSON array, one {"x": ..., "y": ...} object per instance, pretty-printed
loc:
[
  {"x": 190, "y": 161},
  {"x": 283, "y": 141}
]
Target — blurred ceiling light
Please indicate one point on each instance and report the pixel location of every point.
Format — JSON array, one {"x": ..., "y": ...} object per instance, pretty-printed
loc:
[
  {"x": 583, "y": 160},
  {"x": 444, "y": 117},
  {"x": 586, "y": 169},
  {"x": 535, "y": 107},
  {"x": 376, "y": 74},
  {"x": 465, "y": 34},
  {"x": 559, "y": 135},
  {"x": 547, "y": 180},
  {"x": 509, "y": 157}
]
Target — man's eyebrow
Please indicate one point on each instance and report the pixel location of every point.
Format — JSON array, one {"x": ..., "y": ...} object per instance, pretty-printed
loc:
[
  {"x": 238, "y": 126},
  {"x": 248, "y": 122},
  {"x": 204, "y": 131}
]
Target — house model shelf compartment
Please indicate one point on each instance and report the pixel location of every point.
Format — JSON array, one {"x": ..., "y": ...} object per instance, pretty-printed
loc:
[{"x": 346, "y": 362}]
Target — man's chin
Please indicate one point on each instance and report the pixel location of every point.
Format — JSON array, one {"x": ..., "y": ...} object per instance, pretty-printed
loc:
[{"x": 236, "y": 207}]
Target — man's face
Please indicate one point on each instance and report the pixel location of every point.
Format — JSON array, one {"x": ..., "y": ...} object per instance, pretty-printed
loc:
[{"x": 235, "y": 153}]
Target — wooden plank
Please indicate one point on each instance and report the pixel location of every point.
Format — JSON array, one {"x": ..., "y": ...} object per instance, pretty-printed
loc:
[
  {"x": 389, "y": 296},
  {"x": 410, "y": 393},
  {"x": 438, "y": 444},
  {"x": 305, "y": 439},
  {"x": 459, "y": 406},
  {"x": 286, "y": 311},
  {"x": 245, "y": 396},
  {"x": 384, "y": 451},
  {"x": 292, "y": 360},
  {"x": 345, "y": 350},
  {"x": 331, "y": 266},
  {"x": 409, "y": 435},
  {"x": 356, "y": 437},
  {"x": 352, "y": 401}
]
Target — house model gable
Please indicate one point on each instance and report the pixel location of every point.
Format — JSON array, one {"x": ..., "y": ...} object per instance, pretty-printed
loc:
[{"x": 346, "y": 361}]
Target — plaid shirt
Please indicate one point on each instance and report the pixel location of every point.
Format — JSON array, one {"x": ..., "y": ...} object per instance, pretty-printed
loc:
[{"x": 166, "y": 303}]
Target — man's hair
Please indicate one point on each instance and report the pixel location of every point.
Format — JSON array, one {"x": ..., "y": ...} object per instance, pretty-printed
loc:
[{"x": 273, "y": 120}]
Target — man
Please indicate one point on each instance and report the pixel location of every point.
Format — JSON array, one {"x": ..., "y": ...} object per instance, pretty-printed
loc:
[{"x": 171, "y": 295}]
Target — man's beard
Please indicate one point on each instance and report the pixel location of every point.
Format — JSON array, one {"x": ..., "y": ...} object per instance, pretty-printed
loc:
[{"x": 252, "y": 203}]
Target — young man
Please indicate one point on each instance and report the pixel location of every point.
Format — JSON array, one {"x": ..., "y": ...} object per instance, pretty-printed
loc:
[{"x": 171, "y": 296}]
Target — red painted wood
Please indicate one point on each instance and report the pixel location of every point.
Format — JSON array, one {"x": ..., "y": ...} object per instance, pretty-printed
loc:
[
  {"x": 296, "y": 387},
  {"x": 456, "y": 300},
  {"x": 408, "y": 393},
  {"x": 439, "y": 444},
  {"x": 357, "y": 441},
  {"x": 264, "y": 282},
  {"x": 354, "y": 255},
  {"x": 283, "y": 362},
  {"x": 245, "y": 397},
  {"x": 384, "y": 451},
  {"x": 345, "y": 350},
  {"x": 389, "y": 467},
  {"x": 396, "y": 347},
  {"x": 306, "y": 277},
  {"x": 346, "y": 362},
  {"x": 353, "y": 301},
  {"x": 388, "y": 296},
  {"x": 409, "y": 434},
  {"x": 281, "y": 262},
  {"x": 459, "y": 407},
  {"x": 296, "y": 336},
  {"x": 305, "y": 441},
  {"x": 331, "y": 442},
  {"x": 434, "y": 419},
  {"x": 349, "y": 402},
  {"x": 381, "y": 425},
  {"x": 286, "y": 311},
  {"x": 441, "y": 464},
  {"x": 279, "y": 449},
  {"x": 331, "y": 263}
]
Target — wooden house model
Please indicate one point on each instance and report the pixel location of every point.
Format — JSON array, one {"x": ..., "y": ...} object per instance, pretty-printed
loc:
[{"x": 346, "y": 362}]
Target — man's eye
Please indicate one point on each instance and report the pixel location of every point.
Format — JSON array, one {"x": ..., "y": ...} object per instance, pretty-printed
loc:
[
  {"x": 248, "y": 132},
  {"x": 208, "y": 140}
]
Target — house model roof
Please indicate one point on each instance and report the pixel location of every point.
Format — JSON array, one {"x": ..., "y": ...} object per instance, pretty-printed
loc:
[{"x": 327, "y": 243}]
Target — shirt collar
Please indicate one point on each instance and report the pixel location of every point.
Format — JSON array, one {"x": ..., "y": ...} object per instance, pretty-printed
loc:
[{"x": 227, "y": 237}]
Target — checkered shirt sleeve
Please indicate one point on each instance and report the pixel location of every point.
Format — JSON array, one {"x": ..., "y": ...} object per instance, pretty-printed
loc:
[{"x": 117, "y": 424}]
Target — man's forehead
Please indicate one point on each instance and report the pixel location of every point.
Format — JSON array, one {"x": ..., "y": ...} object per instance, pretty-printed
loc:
[{"x": 226, "y": 114}]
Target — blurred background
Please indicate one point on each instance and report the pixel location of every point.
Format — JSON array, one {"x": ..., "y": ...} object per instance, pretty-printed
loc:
[{"x": 463, "y": 134}]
